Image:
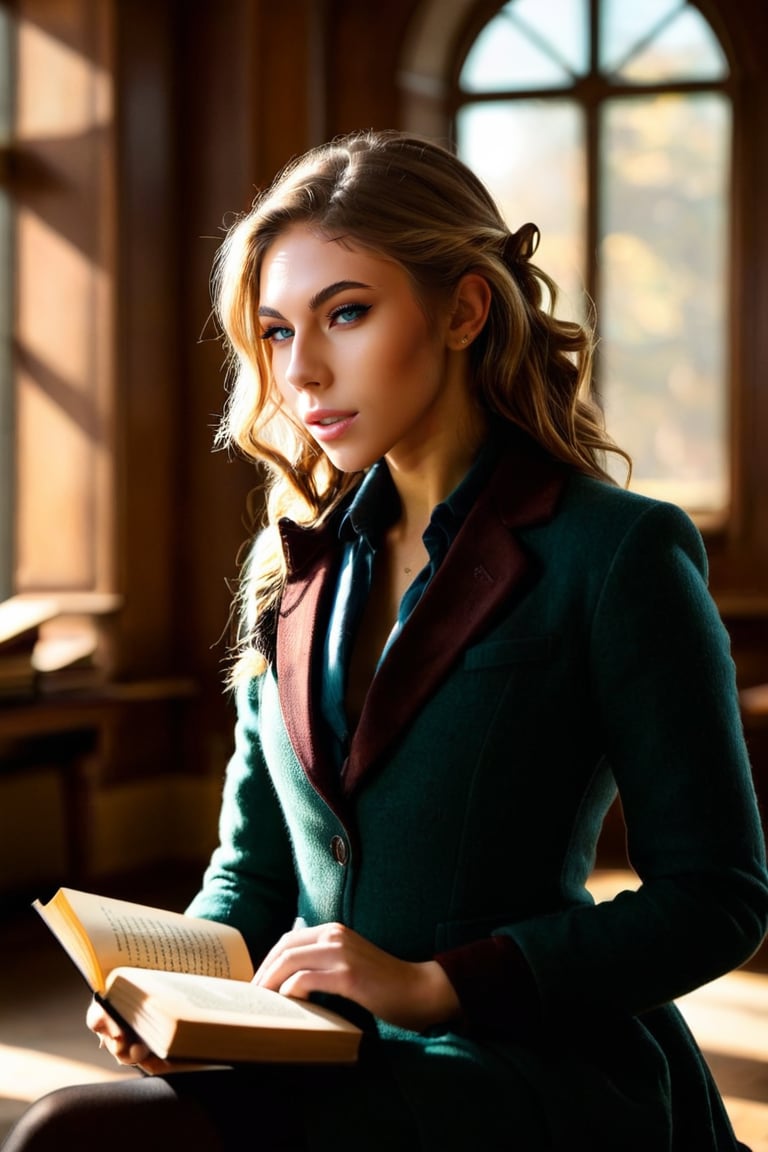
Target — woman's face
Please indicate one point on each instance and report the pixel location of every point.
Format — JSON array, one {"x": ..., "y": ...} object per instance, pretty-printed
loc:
[{"x": 354, "y": 356}]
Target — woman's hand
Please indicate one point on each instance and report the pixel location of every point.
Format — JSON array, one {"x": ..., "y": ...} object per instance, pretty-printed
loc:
[
  {"x": 334, "y": 959},
  {"x": 121, "y": 1043}
]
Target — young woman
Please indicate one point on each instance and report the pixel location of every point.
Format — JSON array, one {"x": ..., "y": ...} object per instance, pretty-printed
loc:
[{"x": 458, "y": 639}]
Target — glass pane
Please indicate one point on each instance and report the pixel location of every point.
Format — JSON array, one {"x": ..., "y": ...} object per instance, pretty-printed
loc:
[
  {"x": 660, "y": 40},
  {"x": 560, "y": 26},
  {"x": 530, "y": 153},
  {"x": 512, "y": 55},
  {"x": 623, "y": 25},
  {"x": 664, "y": 276}
]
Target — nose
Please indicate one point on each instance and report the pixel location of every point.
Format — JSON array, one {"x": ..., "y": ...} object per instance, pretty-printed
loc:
[{"x": 306, "y": 368}]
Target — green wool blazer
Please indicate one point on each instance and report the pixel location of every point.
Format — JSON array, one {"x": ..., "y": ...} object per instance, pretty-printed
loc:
[{"x": 566, "y": 648}]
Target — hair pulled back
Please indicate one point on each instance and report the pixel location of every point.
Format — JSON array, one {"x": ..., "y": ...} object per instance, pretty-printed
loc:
[{"x": 414, "y": 202}]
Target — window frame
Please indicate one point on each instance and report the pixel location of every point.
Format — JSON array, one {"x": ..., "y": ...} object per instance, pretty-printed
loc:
[
  {"x": 591, "y": 92},
  {"x": 438, "y": 39}
]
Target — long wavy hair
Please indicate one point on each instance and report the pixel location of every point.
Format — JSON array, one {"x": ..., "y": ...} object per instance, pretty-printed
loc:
[{"x": 416, "y": 203}]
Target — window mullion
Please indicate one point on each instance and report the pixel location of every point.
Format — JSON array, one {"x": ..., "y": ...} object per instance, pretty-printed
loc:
[{"x": 592, "y": 214}]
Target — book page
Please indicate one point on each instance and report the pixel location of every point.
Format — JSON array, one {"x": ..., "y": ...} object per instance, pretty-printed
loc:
[
  {"x": 200, "y": 998},
  {"x": 182, "y": 995},
  {"x": 119, "y": 932},
  {"x": 203, "y": 1017}
]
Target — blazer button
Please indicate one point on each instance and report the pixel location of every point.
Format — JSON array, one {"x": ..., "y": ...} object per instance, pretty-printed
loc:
[{"x": 339, "y": 850}]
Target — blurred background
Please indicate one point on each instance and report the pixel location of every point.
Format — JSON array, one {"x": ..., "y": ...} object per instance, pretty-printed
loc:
[
  {"x": 633, "y": 132},
  {"x": 131, "y": 132}
]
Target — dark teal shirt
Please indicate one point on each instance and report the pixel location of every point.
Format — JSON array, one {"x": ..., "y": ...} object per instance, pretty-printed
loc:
[{"x": 375, "y": 507}]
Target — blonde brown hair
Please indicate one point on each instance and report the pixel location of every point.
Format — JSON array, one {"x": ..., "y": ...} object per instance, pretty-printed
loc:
[{"x": 416, "y": 203}]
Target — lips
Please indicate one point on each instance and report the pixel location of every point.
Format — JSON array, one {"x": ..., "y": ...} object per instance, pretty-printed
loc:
[
  {"x": 326, "y": 418},
  {"x": 327, "y": 424}
]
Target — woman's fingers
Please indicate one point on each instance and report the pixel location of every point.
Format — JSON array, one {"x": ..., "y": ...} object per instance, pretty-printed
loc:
[
  {"x": 121, "y": 1043},
  {"x": 312, "y": 949},
  {"x": 96, "y": 1018},
  {"x": 333, "y": 959},
  {"x": 289, "y": 940}
]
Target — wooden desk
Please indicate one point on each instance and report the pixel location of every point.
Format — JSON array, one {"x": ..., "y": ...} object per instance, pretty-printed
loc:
[
  {"x": 70, "y": 711},
  {"x": 75, "y": 734}
]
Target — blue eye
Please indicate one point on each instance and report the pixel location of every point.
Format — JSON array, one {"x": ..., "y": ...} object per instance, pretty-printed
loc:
[
  {"x": 349, "y": 313},
  {"x": 276, "y": 334}
]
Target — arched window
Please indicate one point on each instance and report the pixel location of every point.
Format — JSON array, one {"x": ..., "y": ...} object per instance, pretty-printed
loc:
[{"x": 608, "y": 123}]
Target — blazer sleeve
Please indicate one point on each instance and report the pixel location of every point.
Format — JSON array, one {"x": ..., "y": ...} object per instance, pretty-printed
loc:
[
  {"x": 664, "y": 698},
  {"x": 250, "y": 880}
]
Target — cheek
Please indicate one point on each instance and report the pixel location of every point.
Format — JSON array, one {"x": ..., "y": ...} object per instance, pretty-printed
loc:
[
  {"x": 280, "y": 397},
  {"x": 412, "y": 347},
  {"x": 278, "y": 386},
  {"x": 418, "y": 360}
]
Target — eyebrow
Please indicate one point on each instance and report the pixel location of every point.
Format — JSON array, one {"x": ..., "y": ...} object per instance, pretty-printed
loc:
[{"x": 318, "y": 299}]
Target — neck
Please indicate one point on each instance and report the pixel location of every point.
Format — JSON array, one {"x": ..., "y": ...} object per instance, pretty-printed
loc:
[{"x": 424, "y": 482}]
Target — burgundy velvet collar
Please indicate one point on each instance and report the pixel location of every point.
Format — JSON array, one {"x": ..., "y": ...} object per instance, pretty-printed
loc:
[{"x": 484, "y": 570}]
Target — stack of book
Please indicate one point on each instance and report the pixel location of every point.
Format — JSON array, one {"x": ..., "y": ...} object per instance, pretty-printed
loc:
[
  {"x": 53, "y": 644},
  {"x": 21, "y": 619},
  {"x": 66, "y": 657}
]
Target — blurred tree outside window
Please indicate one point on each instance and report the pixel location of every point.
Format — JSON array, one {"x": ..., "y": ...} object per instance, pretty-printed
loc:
[{"x": 608, "y": 123}]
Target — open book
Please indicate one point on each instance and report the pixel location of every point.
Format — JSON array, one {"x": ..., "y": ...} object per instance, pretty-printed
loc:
[{"x": 183, "y": 985}]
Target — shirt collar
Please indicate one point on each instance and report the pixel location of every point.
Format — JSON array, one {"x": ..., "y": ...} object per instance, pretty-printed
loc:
[{"x": 376, "y": 504}]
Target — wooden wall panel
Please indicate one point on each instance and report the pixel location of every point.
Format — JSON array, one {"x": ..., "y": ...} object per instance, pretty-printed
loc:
[{"x": 61, "y": 181}]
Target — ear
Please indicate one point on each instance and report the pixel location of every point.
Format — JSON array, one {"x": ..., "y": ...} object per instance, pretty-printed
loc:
[{"x": 471, "y": 303}]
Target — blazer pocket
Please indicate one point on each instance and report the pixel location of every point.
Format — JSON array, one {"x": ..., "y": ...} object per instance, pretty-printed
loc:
[{"x": 520, "y": 650}]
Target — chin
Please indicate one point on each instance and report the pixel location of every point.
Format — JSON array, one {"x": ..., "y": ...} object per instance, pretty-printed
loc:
[{"x": 351, "y": 460}]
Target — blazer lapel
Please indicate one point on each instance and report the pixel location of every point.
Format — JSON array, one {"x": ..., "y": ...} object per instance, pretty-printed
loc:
[
  {"x": 313, "y": 558},
  {"x": 484, "y": 570}
]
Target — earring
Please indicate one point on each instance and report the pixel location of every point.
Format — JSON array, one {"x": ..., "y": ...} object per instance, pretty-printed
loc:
[{"x": 464, "y": 339}]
